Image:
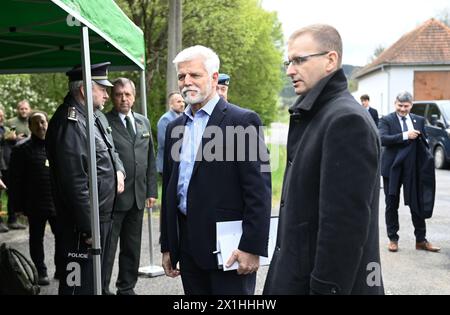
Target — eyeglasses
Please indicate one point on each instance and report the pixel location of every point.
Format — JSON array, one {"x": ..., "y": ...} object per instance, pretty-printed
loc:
[{"x": 296, "y": 61}]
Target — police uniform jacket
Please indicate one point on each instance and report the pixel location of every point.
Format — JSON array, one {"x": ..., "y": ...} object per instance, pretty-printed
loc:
[{"x": 66, "y": 145}]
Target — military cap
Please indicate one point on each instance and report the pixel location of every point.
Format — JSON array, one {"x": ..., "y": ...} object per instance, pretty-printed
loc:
[
  {"x": 99, "y": 73},
  {"x": 224, "y": 79}
]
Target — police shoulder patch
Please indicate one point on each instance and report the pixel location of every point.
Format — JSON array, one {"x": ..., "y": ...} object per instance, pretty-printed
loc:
[{"x": 72, "y": 114}]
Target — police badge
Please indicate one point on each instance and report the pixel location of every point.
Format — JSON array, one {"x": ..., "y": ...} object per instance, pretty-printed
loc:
[{"x": 72, "y": 114}]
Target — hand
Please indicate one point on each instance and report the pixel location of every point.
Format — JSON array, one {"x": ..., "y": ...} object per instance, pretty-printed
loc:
[
  {"x": 88, "y": 241},
  {"x": 120, "y": 182},
  {"x": 150, "y": 202},
  {"x": 248, "y": 263},
  {"x": 21, "y": 136},
  {"x": 413, "y": 134},
  {"x": 167, "y": 265}
]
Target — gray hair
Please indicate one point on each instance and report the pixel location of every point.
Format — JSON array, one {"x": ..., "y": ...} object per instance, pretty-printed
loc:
[
  {"x": 74, "y": 87},
  {"x": 123, "y": 82},
  {"x": 209, "y": 58},
  {"x": 326, "y": 36},
  {"x": 404, "y": 97}
]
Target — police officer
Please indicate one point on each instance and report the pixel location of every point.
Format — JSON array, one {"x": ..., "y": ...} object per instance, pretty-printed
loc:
[
  {"x": 67, "y": 151},
  {"x": 222, "y": 85}
]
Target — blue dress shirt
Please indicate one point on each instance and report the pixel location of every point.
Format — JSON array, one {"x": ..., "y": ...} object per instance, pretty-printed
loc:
[{"x": 192, "y": 138}]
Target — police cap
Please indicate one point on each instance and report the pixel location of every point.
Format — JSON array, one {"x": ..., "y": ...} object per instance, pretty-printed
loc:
[
  {"x": 224, "y": 79},
  {"x": 99, "y": 73}
]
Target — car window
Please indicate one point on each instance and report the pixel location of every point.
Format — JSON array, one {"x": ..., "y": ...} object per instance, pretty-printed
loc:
[
  {"x": 433, "y": 110},
  {"x": 419, "y": 109},
  {"x": 445, "y": 107}
]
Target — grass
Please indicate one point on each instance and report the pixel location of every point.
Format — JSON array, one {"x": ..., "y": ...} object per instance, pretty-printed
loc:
[{"x": 277, "y": 162}]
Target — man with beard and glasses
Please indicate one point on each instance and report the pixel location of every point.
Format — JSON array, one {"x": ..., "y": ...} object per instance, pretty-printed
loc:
[{"x": 199, "y": 191}]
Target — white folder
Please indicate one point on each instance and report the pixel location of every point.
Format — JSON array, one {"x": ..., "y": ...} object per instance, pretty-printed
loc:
[{"x": 228, "y": 236}]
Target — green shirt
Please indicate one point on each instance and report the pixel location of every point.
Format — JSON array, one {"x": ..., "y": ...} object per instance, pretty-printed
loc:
[{"x": 20, "y": 124}]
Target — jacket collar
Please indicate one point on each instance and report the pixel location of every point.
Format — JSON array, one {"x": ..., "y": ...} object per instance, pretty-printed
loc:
[{"x": 324, "y": 90}]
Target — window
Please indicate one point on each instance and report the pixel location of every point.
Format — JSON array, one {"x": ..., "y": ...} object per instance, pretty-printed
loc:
[
  {"x": 419, "y": 109},
  {"x": 433, "y": 110}
]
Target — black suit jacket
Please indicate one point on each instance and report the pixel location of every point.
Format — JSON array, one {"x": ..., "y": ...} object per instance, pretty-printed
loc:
[
  {"x": 374, "y": 113},
  {"x": 138, "y": 160},
  {"x": 218, "y": 190},
  {"x": 391, "y": 135}
]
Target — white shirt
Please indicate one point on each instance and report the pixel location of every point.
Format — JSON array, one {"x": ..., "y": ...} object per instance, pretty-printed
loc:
[
  {"x": 409, "y": 123},
  {"x": 124, "y": 122}
]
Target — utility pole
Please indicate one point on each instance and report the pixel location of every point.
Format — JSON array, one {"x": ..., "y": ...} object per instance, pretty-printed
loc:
[{"x": 175, "y": 39}]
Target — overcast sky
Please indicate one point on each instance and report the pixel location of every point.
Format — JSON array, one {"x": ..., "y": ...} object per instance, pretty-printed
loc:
[{"x": 363, "y": 24}]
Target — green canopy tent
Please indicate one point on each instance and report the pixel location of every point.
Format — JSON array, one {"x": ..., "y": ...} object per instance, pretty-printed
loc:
[
  {"x": 53, "y": 36},
  {"x": 44, "y": 35}
]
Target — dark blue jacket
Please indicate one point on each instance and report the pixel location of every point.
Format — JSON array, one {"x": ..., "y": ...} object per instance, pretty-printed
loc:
[
  {"x": 414, "y": 168},
  {"x": 391, "y": 135},
  {"x": 218, "y": 191}
]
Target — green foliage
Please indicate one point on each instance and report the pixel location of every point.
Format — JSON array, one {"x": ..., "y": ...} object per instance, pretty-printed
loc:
[
  {"x": 248, "y": 41},
  {"x": 44, "y": 91},
  {"x": 278, "y": 165},
  {"x": 14, "y": 89},
  {"x": 353, "y": 85}
]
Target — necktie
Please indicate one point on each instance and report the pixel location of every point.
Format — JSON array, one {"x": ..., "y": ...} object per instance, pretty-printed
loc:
[
  {"x": 129, "y": 127},
  {"x": 405, "y": 126}
]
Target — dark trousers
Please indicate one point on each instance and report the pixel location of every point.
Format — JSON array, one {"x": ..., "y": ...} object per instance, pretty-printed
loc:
[
  {"x": 37, "y": 225},
  {"x": 392, "y": 224},
  {"x": 11, "y": 213},
  {"x": 127, "y": 226},
  {"x": 198, "y": 281},
  {"x": 78, "y": 272}
]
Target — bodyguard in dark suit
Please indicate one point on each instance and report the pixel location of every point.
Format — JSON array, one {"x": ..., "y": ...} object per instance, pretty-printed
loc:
[
  {"x": 328, "y": 227},
  {"x": 397, "y": 131},
  {"x": 205, "y": 183},
  {"x": 132, "y": 138},
  {"x": 365, "y": 99}
]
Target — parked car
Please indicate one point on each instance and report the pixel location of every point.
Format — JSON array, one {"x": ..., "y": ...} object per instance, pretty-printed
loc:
[{"x": 437, "y": 126}]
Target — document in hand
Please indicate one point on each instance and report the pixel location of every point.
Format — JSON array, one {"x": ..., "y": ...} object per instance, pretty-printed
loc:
[{"x": 228, "y": 236}]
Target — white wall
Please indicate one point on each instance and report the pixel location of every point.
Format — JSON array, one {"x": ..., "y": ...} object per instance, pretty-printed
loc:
[
  {"x": 376, "y": 86},
  {"x": 402, "y": 79}
]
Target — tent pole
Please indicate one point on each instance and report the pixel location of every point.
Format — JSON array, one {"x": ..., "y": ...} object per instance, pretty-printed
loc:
[
  {"x": 151, "y": 270},
  {"x": 93, "y": 189},
  {"x": 143, "y": 94}
]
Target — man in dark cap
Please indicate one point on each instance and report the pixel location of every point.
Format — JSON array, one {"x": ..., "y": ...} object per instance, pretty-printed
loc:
[
  {"x": 67, "y": 151},
  {"x": 222, "y": 85}
]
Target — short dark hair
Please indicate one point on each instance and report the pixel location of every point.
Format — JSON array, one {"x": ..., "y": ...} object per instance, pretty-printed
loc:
[
  {"x": 172, "y": 94},
  {"x": 365, "y": 97}
]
